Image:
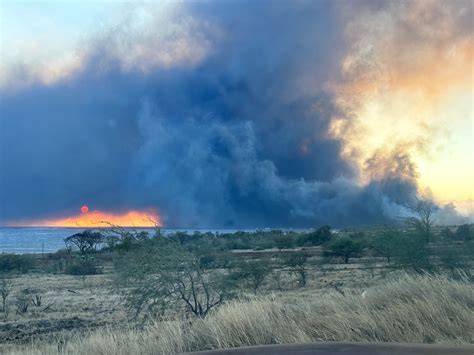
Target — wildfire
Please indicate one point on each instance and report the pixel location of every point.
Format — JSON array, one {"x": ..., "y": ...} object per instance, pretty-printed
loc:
[{"x": 97, "y": 219}]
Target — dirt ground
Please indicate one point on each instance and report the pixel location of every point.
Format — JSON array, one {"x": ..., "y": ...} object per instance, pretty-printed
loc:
[
  {"x": 68, "y": 303},
  {"x": 72, "y": 304}
]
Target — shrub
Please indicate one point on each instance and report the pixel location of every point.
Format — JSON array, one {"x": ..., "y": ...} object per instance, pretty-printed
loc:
[
  {"x": 317, "y": 237},
  {"x": 6, "y": 287},
  {"x": 464, "y": 232},
  {"x": 23, "y": 301},
  {"x": 16, "y": 263},
  {"x": 297, "y": 264},
  {"x": 82, "y": 267},
  {"x": 284, "y": 241},
  {"x": 253, "y": 272},
  {"x": 455, "y": 259},
  {"x": 165, "y": 275},
  {"x": 413, "y": 253},
  {"x": 386, "y": 244},
  {"x": 343, "y": 247}
]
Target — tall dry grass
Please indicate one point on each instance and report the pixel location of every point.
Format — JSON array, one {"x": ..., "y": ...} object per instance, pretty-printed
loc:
[{"x": 416, "y": 309}]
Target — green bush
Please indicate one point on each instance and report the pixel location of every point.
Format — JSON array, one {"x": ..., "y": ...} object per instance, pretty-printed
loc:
[
  {"x": 387, "y": 244},
  {"x": 316, "y": 237},
  {"x": 82, "y": 267},
  {"x": 464, "y": 232},
  {"x": 413, "y": 253},
  {"x": 284, "y": 241},
  {"x": 16, "y": 263},
  {"x": 344, "y": 248}
]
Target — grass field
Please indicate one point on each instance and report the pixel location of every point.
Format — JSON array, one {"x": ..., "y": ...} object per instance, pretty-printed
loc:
[
  {"x": 416, "y": 309},
  {"x": 367, "y": 299}
]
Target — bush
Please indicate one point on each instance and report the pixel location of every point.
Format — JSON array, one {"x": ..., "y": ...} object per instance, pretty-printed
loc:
[
  {"x": 464, "y": 232},
  {"x": 253, "y": 272},
  {"x": 16, "y": 263},
  {"x": 344, "y": 248},
  {"x": 413, "y": 252},
  {"x": 22, "y": 301},
  {"x": 387, "y": 244},
  {"x": 297, "y": 264},
  {"x": 317, "y": 237},
  {"x": 284, "y": 241},
  {"x": 159, "y": 277},
  {"x": 82, "y": 267}
]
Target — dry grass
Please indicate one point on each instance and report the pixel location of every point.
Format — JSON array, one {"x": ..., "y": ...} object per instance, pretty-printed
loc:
[{"x": 416, "y": 309}]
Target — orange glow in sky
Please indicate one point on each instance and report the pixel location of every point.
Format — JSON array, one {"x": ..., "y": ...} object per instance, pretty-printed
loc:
[{"x": 96, "y": 219}]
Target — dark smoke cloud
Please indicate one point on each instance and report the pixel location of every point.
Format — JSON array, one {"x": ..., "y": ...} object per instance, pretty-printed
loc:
[{"x": 238, "y": 138}]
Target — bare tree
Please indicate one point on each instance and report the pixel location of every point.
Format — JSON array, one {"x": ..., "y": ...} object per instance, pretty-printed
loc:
[
  {"x": 162, "y": 275},
  {"x": 6, "y": 286},
  {"x": 422, "y": 220},
  {"x": 297, "y": 265}
]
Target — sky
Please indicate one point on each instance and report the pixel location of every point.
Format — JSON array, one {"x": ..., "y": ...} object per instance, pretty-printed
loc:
[{"x": 231, "y": 113}]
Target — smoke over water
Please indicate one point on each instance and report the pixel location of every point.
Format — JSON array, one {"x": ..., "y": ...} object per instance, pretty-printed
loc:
[{"x": 214, "y": 113}]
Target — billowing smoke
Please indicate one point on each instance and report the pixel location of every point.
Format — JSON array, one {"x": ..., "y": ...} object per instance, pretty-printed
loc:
[{"x": 219, "y": 118}]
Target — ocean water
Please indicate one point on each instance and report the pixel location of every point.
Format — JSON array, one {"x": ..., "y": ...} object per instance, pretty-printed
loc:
[{"x": 32, "y": 240}]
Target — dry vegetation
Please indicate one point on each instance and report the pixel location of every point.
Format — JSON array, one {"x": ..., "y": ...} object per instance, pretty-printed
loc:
[
  {"x": 404, "y": 309},
  {"x": 149, "y": 295}
]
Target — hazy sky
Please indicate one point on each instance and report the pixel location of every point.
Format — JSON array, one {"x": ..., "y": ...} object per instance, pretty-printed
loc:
[{"x": 236, "y": 113}]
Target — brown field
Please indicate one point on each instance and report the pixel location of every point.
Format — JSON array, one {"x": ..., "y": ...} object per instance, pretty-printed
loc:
[{"x": 85, "y": 315}]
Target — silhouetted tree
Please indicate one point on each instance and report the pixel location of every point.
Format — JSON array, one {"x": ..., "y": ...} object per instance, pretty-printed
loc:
[
  {"x": 422, "y": 220},
  {"x": 85, "y": 242}
]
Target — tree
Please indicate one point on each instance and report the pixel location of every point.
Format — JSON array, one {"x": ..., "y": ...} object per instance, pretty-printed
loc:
[
  {"x": 6, "y": 286},
  {"x": 454, "y": 258},
  {"x": 320, "y": 236},
  {"x": 464, "y": 232},
  {"x": 422, "y": 220},
  {"x": 413, "y": 253},
  {"x": 447, "y": 233},
  {"x": 85, "y": 242},
  {"x": 157, "y": 277},
  {"x": 83, "y": 266},
  {"x": 283, "y": 241},
  {"x": 370, "y": 263},
  {"x": 386, "y": 244},
  {"x": 343, "y": 247},
  {"x": 254, "y": 272},
  {"x": 297, "y": 264},
  {"x": 10, "y": 263}
]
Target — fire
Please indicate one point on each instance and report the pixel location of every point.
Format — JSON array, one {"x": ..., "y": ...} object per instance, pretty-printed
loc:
[{"x": 97, "y": 219}]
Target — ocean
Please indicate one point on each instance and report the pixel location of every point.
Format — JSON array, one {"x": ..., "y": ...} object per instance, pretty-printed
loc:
[{"x": 33, "y": 240}]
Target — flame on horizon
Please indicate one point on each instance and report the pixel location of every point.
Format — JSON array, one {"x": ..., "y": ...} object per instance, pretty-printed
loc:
[{"x": 101, "y": 219}]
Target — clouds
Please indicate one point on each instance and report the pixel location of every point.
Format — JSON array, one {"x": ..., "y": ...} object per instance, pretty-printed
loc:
[
  {"x": 406, "y": 76},
  {"x": 215, "y": 113}
]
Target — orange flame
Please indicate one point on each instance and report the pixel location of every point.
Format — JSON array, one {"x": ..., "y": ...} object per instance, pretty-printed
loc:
[{"x": 98, "y": 219}]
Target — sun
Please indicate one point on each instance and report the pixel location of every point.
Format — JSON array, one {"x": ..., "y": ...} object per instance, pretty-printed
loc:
[{"x": 84, "y": 209}]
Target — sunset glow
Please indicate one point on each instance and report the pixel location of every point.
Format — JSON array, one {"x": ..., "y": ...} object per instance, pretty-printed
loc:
[
  {"x": 100, "y": 219},
  {"x": 418, "y": 104}
]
